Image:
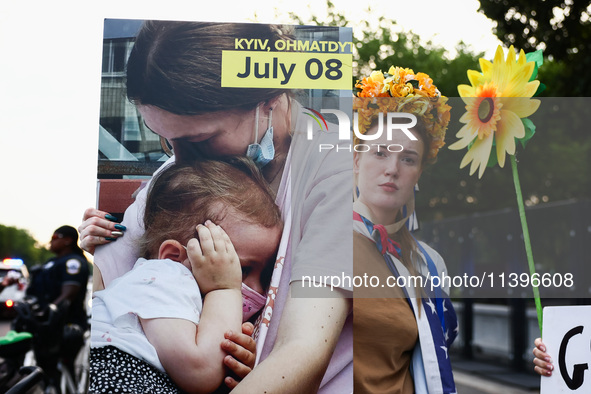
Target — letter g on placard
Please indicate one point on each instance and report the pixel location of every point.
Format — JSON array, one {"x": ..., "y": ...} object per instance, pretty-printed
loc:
[{"x": 578, "y": 376}]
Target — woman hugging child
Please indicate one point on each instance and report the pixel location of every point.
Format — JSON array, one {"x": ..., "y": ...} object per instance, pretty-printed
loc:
[{"x": 160, "y": 327}]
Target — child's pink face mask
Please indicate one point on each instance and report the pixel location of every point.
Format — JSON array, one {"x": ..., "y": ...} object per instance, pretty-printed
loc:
[{"x": 252, "y": 302}]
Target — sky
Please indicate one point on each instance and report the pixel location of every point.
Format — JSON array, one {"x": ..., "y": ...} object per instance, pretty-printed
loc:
[{"x": 50, "y": 65}]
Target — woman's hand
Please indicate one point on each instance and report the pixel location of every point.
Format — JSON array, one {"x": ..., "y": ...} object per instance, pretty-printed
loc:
[
  {"x": 542, "y": 361},
  {"x": 98, "y": 228},
  {"x": 214, "y": 261},
  {"x": 241, "y": 350}
]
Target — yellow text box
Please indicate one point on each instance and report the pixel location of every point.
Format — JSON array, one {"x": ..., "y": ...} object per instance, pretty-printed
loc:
[{"x": 286, "y": 70}]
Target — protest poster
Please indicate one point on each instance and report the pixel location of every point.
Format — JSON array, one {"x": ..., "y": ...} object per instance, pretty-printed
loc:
[
  {"x": 182, "y": 104},
  {"x": 567, "y": 336}
]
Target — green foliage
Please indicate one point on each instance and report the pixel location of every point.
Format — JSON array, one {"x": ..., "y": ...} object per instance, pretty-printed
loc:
[
  {"x": 561, "y": 28},
  {"x": 18, "y": 243}
]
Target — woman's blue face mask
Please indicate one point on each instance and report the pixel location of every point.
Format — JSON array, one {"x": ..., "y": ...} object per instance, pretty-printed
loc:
[{"x": 263, "y": 152}]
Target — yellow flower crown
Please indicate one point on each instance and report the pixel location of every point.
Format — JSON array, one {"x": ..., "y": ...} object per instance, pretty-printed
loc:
[{"x": 412, "y": 93}]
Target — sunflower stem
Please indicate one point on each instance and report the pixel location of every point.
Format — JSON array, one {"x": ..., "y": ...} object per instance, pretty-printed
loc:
[{"x": 526, "y": 240}]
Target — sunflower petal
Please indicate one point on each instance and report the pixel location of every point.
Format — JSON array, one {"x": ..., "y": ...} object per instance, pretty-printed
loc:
[
  {"x": 509, "y": 128},
  {"x": 478, "y": 155},
  {"x": 481, "y": 152},
  {"x": 530, "y": 89},
  {"x": 517, "y": 82},
  {"x": 501, "y": 72},
  {"x": 466, "y": 135},
  {"x": 511, "y": 56},
  {"x": 486, "y": 66},
  {"x": 499, "y": 57},
  {"x": 521, "y": 60},
  {"x": 466, "y": 91},
  {"x": 465, "y": 118},
  {"x": 476, "y": 78},
  {"x": 521, "y": 106},
  {"x": 468, "y": 157}
]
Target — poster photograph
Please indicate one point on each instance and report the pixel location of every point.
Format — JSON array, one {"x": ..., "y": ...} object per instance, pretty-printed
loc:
[
  {"x": 329, "y": 197},
  {"x": 230, "y": 90}
]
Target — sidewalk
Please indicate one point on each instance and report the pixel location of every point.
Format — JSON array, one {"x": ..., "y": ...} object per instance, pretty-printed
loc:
[{"x": 475, "y": 377}]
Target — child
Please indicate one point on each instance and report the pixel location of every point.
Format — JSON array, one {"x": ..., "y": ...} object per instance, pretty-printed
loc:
[{"x": 152, "y": 324}]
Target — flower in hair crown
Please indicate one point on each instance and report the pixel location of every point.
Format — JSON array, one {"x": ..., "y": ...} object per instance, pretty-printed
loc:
[{"x": 403, "y": 90}]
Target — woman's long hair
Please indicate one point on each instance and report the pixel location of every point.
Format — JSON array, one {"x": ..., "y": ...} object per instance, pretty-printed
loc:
[{"x": 177, "y": 66}]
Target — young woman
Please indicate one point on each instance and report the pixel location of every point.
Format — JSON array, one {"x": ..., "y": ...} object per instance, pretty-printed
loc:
[{"x": 414, "y": 325}]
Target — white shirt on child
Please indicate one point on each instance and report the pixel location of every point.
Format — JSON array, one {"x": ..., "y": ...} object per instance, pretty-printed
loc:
[{"x": 152, "y": 289}]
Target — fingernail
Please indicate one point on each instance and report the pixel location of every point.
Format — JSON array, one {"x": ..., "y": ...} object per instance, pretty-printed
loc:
[
  {"x": 543, "y": 348},
  {"x": 548, "y": 373},
  {"x": 110, "y": 239},
  {"x": 120, "y": 227},
  {"x": 548, "y": 359},
  {"x": 110, "y": 217},
  {"x": 551, "y": 367},
  {"x": 208, "y": 222},
  {"x": 116, "y": 233},
  {"x": 230, "y": 361}
]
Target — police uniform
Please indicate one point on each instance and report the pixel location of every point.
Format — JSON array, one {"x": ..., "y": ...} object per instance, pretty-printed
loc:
[
  {"x": 55, "y": 341},
  {"x": 47, "y": 283}
]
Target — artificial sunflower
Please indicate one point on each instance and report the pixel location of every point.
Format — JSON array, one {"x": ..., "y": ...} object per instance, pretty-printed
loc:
[{"x": 497, "y": 101}]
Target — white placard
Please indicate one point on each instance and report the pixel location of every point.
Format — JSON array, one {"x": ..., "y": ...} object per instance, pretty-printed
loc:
[{"x": 567, "y": 336}]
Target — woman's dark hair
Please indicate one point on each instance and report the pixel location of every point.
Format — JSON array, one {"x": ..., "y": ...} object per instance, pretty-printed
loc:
[
  {"x": 177, "y": 66},
  {"x": 71, "y": 232},
  {"x": 184, "y": 195}
]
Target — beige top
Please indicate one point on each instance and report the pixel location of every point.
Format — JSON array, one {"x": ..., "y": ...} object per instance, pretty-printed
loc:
[{"x": 384, "y": 328}]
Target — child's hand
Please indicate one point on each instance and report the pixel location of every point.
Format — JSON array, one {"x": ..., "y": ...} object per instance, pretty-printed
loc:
[
  {"x": 542, "y": 361},
  {"x": 214, "y": 261},
  {"x": 241, "y": 350}
]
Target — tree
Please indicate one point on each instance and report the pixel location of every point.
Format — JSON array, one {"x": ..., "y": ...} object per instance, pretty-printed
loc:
[
  {"x": 18, "y": 243},
  {"x": 562, "y": 28}
]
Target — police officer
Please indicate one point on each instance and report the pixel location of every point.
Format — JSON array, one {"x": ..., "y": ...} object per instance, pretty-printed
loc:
[
  {"x": 64, "y": 277},
  {"x": 60, "y": 287}
]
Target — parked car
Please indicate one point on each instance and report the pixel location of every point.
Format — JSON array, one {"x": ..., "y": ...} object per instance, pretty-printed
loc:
[{"x": 16, "y": 292}]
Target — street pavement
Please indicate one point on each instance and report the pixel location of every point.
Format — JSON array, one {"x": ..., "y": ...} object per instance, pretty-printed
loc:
[
  {"x": 469, "y": 383},
  {"x": 480, "y": 377}
]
